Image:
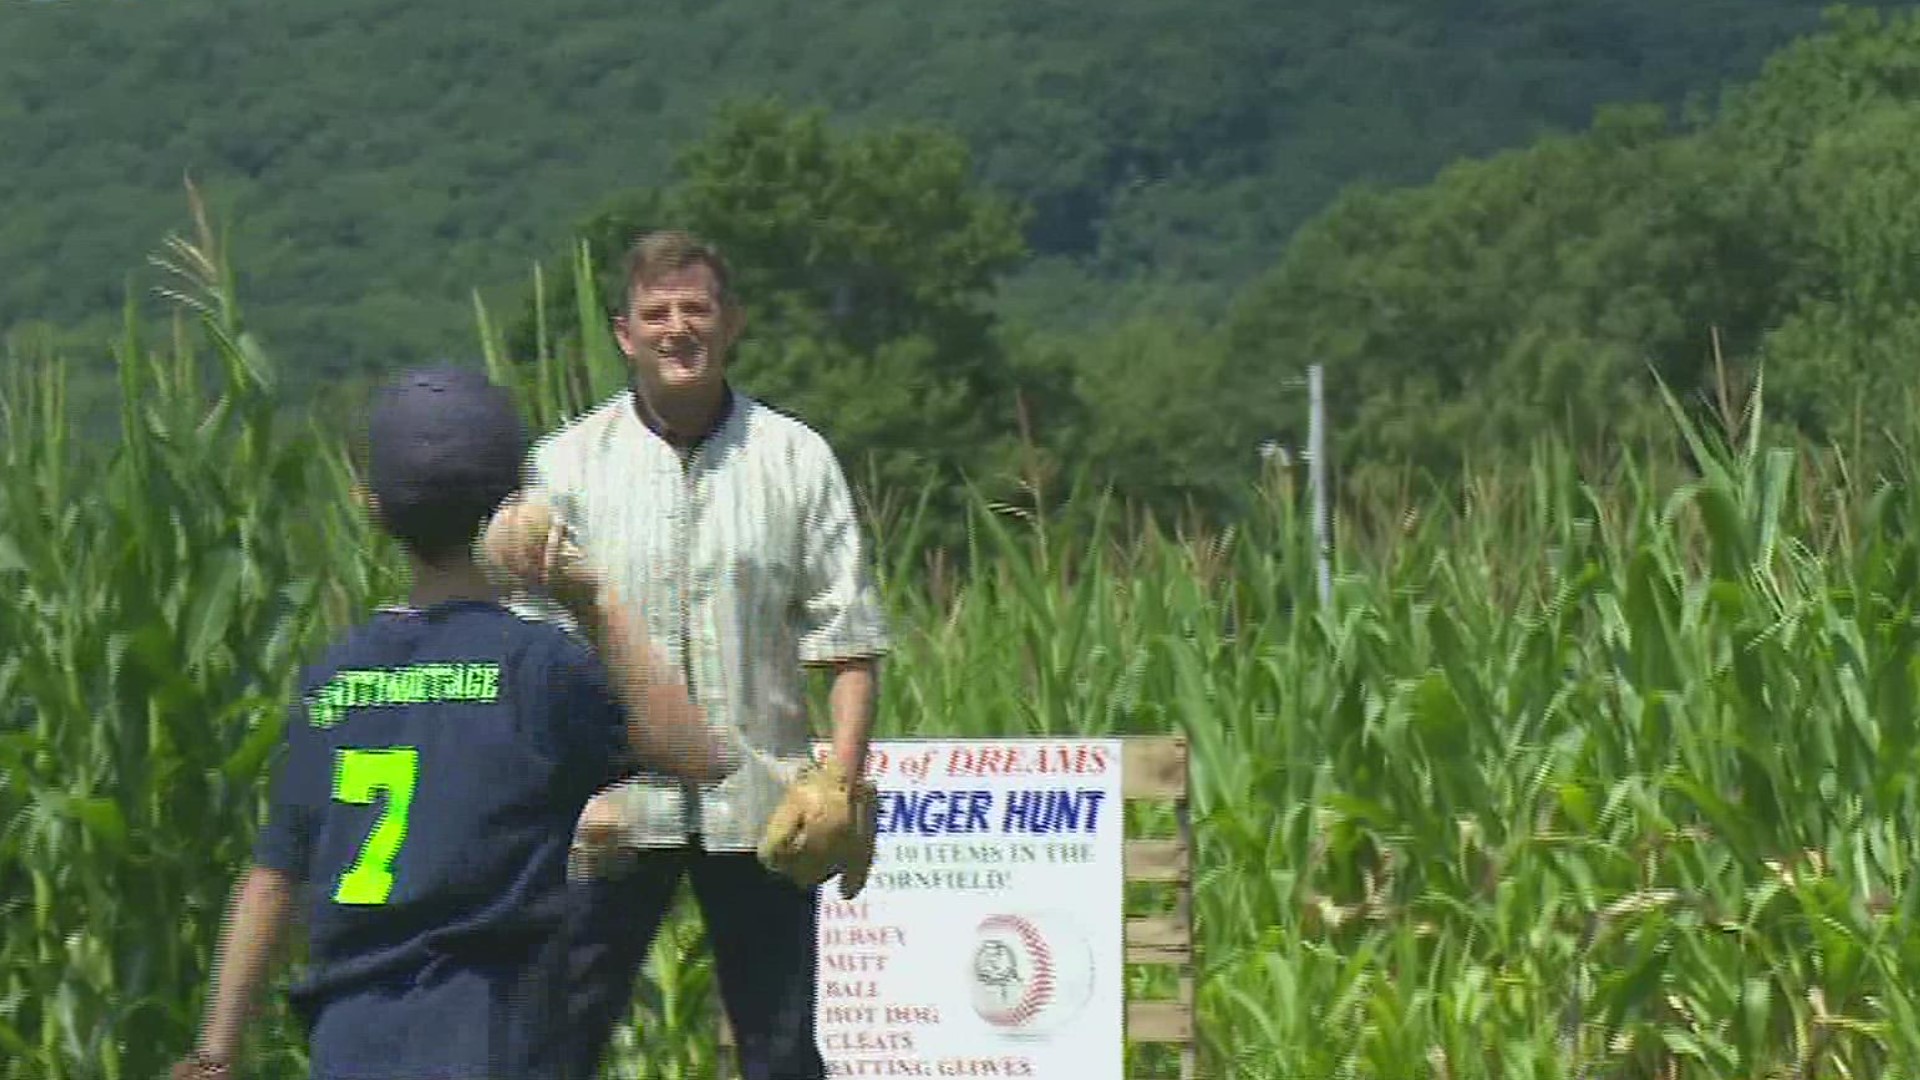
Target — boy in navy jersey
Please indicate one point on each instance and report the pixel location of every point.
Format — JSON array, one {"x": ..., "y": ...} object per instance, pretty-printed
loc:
[{"x": 434, "y": 768}]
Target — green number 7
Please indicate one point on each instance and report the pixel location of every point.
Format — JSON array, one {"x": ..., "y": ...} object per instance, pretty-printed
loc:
[{"x": 358, "y": 776}]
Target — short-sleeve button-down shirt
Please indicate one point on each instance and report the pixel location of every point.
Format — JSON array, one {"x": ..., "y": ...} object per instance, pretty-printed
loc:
[{"x": 746, "y": 555}]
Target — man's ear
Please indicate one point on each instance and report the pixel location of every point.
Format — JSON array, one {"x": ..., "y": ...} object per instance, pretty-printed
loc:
[{"x": 618, "y": 324}]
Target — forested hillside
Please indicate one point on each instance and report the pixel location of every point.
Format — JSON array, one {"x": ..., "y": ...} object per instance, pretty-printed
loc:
[
  {"x": 1007, "y": 237},
  {"x": 378, "y": 161}
]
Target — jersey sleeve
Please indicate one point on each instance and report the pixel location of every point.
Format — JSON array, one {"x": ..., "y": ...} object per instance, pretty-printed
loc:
[
  {"x": 589, "y": 723},
  {"x": 286, "y": 837}
]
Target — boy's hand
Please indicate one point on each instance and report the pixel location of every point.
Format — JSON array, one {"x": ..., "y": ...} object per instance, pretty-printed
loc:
[
  {"x": 529, "y": 542},
  {"x": 200, "y": 1067}
]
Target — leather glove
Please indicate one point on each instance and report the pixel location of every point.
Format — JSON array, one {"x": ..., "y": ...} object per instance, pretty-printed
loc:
[{"x": 826, "y": 824}]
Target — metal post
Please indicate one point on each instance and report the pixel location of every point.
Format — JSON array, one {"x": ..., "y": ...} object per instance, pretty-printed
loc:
[{"x": 1317, "y": 478}]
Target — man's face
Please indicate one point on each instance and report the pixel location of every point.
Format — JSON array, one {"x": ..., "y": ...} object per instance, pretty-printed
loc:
[{"x": 676, "y": 333}]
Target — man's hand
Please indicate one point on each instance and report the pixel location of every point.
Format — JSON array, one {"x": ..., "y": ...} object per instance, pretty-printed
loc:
[{"x": 599, "y": 849}]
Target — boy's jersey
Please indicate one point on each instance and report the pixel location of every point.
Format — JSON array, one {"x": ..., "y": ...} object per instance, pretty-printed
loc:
[{"x": 435, "y": 767}]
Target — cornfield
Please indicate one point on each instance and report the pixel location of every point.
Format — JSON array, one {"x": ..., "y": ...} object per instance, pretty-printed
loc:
[{"x": 1570, "y": 779}]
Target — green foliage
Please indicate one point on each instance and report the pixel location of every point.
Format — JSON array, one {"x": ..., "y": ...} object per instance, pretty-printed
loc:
[
  {"x": 1542, "y": 286},
  {"x": 383, "y": 160},
  {"x": 1827, "y": 133},
  {"x": 1533, "y": 287},
  {"x": 1599, "y": 764},
  {"x": 1575, "y": 776},
  {"x": 933, "y": 267},
  {"x": 1157, "y": 414},
  {"x": 158, "y": 601}
]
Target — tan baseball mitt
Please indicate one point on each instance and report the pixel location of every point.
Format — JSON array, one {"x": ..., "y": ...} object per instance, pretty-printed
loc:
[{"x": 826, "y": 824}]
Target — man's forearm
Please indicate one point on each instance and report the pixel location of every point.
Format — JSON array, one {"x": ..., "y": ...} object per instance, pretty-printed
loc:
[
  {"x": 856, "y": 686},
  {"x": 255, "y": 921}
]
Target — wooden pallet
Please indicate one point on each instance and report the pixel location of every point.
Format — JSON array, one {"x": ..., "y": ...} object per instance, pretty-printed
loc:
[{"x": 1154, "y": 769}]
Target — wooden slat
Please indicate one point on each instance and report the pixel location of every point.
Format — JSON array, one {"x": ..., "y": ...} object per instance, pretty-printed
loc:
[
  {"x": 1158, "y": 939},
  {"x": 1154, "y": 767},
  {"x": 1156, "y": 860},
  {"x": 1190, "y": 1052},
  {"x": 1159, "y": 1022}
]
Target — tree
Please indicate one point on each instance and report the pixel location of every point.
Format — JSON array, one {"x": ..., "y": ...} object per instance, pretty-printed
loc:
[
  {"x": 1529, "y": 291},
  {"x": 1828, "y": 137},
  {"x": 865, "y": 261}
]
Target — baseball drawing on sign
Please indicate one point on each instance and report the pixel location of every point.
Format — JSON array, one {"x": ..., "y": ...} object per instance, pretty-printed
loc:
[{"x": 1030, "y": 973}]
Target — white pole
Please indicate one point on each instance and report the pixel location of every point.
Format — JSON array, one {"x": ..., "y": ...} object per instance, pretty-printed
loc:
[{"x": 1317, "y": 477}]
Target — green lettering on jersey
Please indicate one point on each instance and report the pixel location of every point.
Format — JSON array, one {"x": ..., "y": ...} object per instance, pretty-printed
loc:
[{"x": 415, "y": 684}]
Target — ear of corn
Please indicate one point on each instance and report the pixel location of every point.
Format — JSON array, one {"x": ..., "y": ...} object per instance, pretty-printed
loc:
[{"x": 1569, "y": 781}]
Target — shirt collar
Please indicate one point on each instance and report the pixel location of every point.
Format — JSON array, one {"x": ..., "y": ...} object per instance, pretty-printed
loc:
[{"x": 729, "y": 405}]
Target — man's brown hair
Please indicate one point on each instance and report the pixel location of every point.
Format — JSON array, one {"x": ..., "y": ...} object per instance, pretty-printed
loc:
[{"x": 657, "y": 255}]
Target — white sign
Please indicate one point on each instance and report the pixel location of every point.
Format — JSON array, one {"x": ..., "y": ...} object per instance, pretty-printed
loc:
[{"x": 989, "y": 938}]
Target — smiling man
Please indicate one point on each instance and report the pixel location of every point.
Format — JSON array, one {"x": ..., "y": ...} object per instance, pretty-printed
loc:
[{"x": 734, "y": 528}]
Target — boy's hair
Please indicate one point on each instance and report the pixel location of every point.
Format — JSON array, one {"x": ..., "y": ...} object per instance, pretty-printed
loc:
[
  {"x": 442, "y": 529},
  {"x": 445, "y": 449}
]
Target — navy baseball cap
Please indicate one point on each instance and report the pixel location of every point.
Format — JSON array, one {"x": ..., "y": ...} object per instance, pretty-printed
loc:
[{"x": 443, "y": 442}]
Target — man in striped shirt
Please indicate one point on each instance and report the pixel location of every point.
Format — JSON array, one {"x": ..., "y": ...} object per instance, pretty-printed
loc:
[{"x": 734, "y": 528}]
